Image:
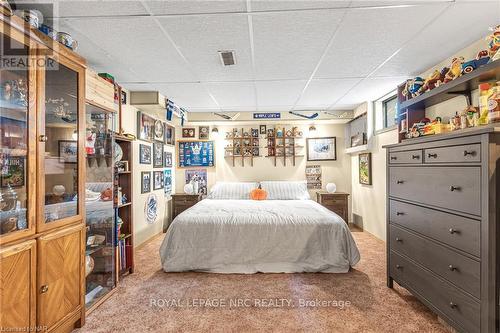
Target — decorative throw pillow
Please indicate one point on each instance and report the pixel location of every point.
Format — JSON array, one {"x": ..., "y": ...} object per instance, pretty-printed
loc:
[{"x": 258, "y": 194}]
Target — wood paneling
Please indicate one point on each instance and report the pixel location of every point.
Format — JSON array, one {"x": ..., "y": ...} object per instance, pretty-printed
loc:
[
  {"x": 60, "y": 272},
  {"x": 18, "y": 286},
  {"x": 99, "y": 91}
]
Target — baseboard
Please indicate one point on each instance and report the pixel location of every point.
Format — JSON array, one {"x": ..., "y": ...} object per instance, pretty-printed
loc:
[{"x": 141, "y": 245}]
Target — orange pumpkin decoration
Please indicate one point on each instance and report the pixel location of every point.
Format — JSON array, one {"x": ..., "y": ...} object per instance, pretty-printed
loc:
[{"x": 258, "y": 194}]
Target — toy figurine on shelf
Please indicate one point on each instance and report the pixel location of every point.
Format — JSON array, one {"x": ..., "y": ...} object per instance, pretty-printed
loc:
[
  {"x": 413, "y": 87},
  {"x": 417, "y": 129},
  {"x": 494, "y": 43},
  {"x": 455, "y": 69},
  {"x": 433, "y": 80},
  {"x": 482, "y": 58}
]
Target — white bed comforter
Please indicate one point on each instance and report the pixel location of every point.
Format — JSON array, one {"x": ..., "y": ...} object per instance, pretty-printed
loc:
[{"x": 247, "y": 236}]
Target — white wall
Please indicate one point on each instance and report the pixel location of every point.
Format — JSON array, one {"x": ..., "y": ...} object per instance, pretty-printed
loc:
[
  {"x": 338, "y": 171},
  {"x": 369, "y": 201},
  {"x": 143, "y": 230}
]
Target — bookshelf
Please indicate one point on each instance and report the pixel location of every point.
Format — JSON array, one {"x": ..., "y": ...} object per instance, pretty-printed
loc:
[
  {"x": 123, "y": 207},
  {"x": 242, "y": 145}
]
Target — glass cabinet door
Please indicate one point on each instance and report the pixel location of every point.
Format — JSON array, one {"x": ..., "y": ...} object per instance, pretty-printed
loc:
[
  {"x": 99, "y": 208},
  {"x": 15, "y": 187},
  {"x": 59, "y": 144}
]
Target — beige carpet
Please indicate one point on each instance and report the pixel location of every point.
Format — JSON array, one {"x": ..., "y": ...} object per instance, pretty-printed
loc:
[{"x": 373, "y": 307}]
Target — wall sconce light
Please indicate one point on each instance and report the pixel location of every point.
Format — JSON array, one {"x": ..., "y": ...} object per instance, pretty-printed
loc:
[
  {"x": 312, "y": 129},
  {"x": 215, "y": 132}
]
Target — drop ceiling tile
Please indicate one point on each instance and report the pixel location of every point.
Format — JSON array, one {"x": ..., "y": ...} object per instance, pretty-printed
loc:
[
  {"x": 273, "y": 5},
  {"x": 233, "y": 94},
  {"x": 275, "y": 108},
  {"x": 275, "y": 93},
  {"x": 98, "y": 8},
  {"x": 322, "y": 93},
  {"x": 195, "y": 6},
  {"x": 368, "y": 37},
  {"x": 289, "y": 45},
  {"x": 139, "y": 44},
  {"x": 438, "y": 42},
  {"x": 370, "y": 89},
  {"x": 201, "y": 37},
  {"x": 188, "y": 95}
]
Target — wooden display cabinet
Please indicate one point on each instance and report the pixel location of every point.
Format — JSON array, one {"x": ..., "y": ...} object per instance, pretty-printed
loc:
[{"x": 42, "y": 137}]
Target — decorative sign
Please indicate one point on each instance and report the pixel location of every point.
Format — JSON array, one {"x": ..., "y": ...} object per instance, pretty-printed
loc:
[
  {"x": 313, "y": 176},
  {"x": 151, "y": 208},
  {"x": 267, "y": 115},
  {"x": 196, "y": 154}
]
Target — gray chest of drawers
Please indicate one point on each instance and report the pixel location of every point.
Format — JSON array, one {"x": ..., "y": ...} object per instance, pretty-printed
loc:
[{"x": 443, "y": 225}]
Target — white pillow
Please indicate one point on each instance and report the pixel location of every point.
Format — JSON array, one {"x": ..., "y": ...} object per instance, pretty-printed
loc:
[
  {"x": 232, "y": 191},
  {"x": 286, "y": 190}
]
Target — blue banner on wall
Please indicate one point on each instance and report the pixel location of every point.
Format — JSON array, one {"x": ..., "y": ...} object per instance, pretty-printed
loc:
[
  {"x": 267, "y": 115},
  {"x": 196, "y": 153}
]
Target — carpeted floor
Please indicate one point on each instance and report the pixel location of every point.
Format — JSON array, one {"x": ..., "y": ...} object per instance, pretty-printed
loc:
[{"x": 151, "y": 300}]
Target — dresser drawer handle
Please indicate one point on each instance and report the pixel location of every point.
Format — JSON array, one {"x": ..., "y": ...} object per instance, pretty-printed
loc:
[
  {"x": 399, "y": 213},
  {"x": 453, "y": 305},
  {"x": 471, "y": 153},
  {"x": 44, "y": 289},
  {"x": 454, "y": 188},
  {"x": 452, "y": 268},
  {"x": 398, "y": 239},
  {"x": 399, "y": 267},
  {"x": 393, "y": 158},
  {"x": 399, "y": 181},
  {"x": 454, "y": 231},
  {"x": 432, "y": 155},
  {"x": 415, "y": 157}
]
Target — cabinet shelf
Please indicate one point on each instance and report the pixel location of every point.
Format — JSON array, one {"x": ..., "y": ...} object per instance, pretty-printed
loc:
[{"x": 462, "y": 85}]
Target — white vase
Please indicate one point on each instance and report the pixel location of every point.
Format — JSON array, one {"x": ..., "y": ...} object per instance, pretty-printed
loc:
[
  {"x": 331, "y": 187},
  {"x": 188, "y": 189}
]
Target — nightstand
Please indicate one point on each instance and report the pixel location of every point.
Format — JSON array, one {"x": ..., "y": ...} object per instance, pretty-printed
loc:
[
  {"x": 337, "y": 202},
  {"x": 181, "y": 202}
]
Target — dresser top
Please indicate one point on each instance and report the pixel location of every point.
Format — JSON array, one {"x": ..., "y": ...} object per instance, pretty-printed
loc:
[
  {"x": 492, "y": 128},
  {"x": 322, "y": 192}
]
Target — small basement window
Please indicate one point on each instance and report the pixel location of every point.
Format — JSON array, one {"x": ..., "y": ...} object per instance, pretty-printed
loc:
[
  {"x": 385, "y": 110},
  {"x": 389, "y": 109}
]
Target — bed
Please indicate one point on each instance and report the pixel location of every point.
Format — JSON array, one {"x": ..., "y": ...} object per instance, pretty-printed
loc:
[{"x": 249, "y": 236}]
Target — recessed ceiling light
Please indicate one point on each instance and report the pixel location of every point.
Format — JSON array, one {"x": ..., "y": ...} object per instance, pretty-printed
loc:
[{"x": 227, "y": 58}]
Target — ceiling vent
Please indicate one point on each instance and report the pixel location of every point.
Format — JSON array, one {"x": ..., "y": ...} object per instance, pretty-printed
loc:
[{"x": 227, "y": 58}]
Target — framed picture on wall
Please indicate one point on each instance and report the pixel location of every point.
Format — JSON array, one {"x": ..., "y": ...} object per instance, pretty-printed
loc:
[
  {"x": 203, "y": 132},
  {"x": 145, "y": 181},
  {"x": 144, "y": 154},
  {"x": 159, "y": 131},
  {"x": 167, "y": 159},
  {"x": 167, "y": 175},
  {"x": 169, "y": 135},
  {"x": 124, "y": 97},
  {"x": 68, "y": 151},
  {"x": 157, "y": 180},
  {"x": 322, "y": 149},
  {"x": 358, "y": 139},
  {"x": 198, "y": 178},
  {"x": 188, "y": 132},
  {"x": 365, "y": 168},
  {"x": 262, "y": 129},
  {"x": 157, "y": 155},
  {"x": 145, "y": 127}
]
